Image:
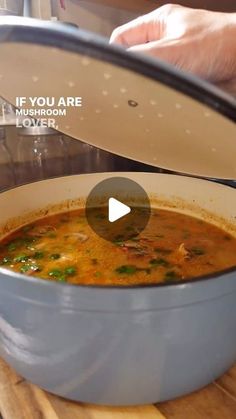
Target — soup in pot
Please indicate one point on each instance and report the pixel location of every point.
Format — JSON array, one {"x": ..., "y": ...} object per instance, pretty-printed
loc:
[{"x": 172, "y": 247}]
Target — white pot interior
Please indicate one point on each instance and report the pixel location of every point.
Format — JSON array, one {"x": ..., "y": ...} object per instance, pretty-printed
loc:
[{"x": 210, "y": 201}]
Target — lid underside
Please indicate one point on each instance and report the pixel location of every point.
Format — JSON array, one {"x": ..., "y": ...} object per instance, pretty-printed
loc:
[{"x": 134, "y": 107}]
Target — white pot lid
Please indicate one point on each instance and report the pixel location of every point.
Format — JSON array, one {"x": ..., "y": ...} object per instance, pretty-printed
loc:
[{"x": 132, "y": 106}]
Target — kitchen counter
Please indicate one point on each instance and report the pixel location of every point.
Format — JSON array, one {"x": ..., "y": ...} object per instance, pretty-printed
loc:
[{"x": 22, "y": 400}]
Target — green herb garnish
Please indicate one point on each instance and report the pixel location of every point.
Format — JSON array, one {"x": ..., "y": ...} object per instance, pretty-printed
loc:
[
  {"x": 21, "y": 258},
  {"x": 198, "y": 251},
  {"x": 62, "y": 278},
  {"x": 11, "y": 247},
  {"x": 61, "y": 275},
  {"x": 126, "y": 269},
  {"x": 55, "y": 256},
  {"x": 25, "y": 268},
  {"x": 5, "y": 261},
  {"x": 30, "y": 267},
  {"x": 159, "y": 262},
  {"x": 38, "y": 255},
  {"x": 118, "y": 243},
  {"x": 171, "y": 276},
  {"x": 71, "y": 270},
  {"x": 57, "y": 274}
]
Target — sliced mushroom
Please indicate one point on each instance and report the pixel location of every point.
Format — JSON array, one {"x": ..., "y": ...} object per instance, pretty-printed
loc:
[
  {"x": 184, "y": 253},
  {"x": 80, "y": 236},
  {"x": 181, "y": 254}
]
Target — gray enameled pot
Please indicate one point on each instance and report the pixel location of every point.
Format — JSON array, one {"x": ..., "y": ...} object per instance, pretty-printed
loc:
[{"x": 119, "y": 346}]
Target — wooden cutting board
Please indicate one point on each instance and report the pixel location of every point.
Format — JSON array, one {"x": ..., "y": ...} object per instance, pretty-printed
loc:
[{"x": 22, "y": 400}]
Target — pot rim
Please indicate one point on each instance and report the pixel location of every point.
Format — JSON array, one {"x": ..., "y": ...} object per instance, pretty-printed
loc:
[{"x": 203, "y": 278}]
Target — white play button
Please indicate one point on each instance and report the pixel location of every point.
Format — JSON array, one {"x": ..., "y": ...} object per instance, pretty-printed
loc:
[
  {"x": 117, "y": 210},
  {"x": 111, "y": 211}
]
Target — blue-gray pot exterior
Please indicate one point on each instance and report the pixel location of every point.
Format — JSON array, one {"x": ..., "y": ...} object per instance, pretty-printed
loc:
[{"x": 118, "y": 346}]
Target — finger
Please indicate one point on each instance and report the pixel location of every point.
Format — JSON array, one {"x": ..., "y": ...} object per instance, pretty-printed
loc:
[
  {"x": 139, "y": 31},
  {"x": 166, "y": 50},
  {"x": 183, "y": 55}
]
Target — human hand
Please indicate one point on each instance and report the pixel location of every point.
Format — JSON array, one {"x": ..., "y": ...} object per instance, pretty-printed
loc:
[{"x": 197, "y": 41}]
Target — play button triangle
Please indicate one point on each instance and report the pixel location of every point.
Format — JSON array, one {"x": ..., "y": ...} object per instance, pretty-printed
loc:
[{"x": 117, "y": 210}]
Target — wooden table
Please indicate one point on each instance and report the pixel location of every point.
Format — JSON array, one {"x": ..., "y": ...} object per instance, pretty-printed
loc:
[{"x": 22, "y": 400}]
